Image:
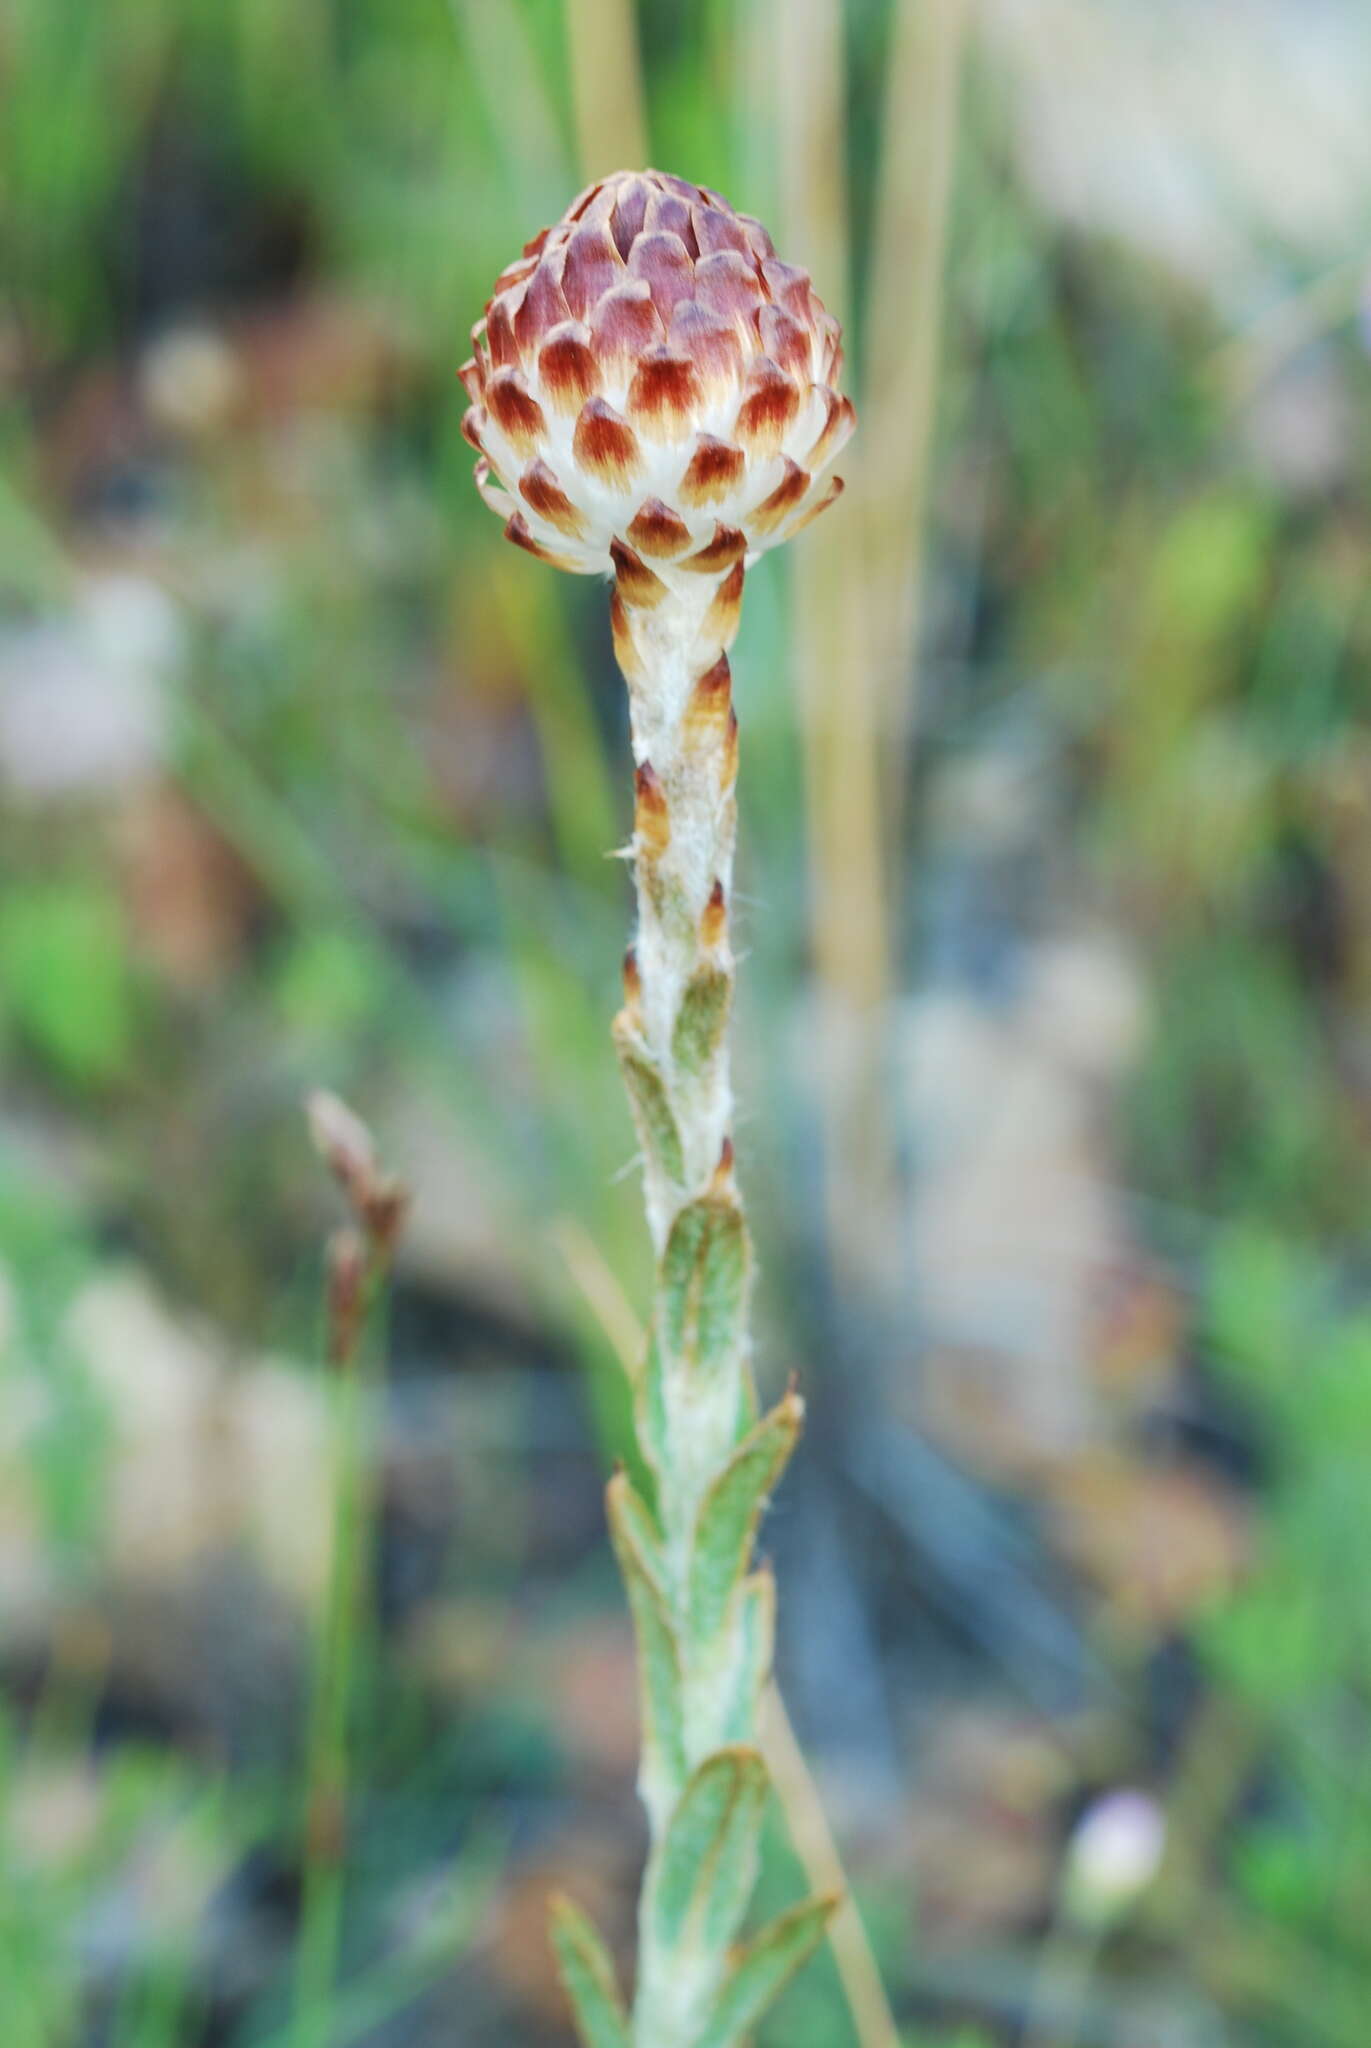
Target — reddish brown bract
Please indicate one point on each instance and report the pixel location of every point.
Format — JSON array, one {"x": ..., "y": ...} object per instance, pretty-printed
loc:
[
  {"x": 772, "y": 402},
  {"x": 567, "y": 367},
  {"x": 651, "y": 818},
  {"x": 517, "y": 412},
  {"x": 664, "y": 394},
  {"x": 787, "y": 497},
  {"x": 711, "y": 701},
  {"x": 657, "y": 530},
  {"x": 714, "y": 927},
  {"x": 539, "y": 488},
  {"x": 605, "y": 444},
  {"x": 639, "y": 585}
]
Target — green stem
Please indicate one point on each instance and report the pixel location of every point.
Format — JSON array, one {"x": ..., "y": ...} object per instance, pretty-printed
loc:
[{"x": 341, "y": 1626}]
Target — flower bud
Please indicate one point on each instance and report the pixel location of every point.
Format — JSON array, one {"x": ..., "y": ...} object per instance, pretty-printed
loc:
[
  {"x": 653, "y": 393},
  {"x": 1114, "y": 1854},
  {"x": 378, "y": 1200}
]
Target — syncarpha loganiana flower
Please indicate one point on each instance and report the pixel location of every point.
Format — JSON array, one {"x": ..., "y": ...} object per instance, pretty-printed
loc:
[
  {"x": 650, "y": 382},
  {"x": 653, "y": 396}
]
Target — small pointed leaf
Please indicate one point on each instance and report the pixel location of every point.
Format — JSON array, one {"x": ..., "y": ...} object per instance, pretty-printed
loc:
[
  {"x": 763, "y": 1969},
  {"x": 702, "y": 1018},
  {"x": 749, "y": 1407},
  {"x": 641, "y": 1529},
  {"x": 658, "y": 1132},
  {"x": 702, "y": 1285},
  {"x": 726, "y": 1526},
  {"x": 698, "y": 1338},
  {"x": 752, "y": 1650},
  {"x": 652, "y": 1412},
  {"x": 659, "y": 1661},
  {"x": 588, "y": 1977},
  {"x": 708, "y": 1861}
]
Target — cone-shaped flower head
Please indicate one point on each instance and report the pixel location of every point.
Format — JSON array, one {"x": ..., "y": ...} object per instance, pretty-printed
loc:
[{"x": 651, "y": 382}]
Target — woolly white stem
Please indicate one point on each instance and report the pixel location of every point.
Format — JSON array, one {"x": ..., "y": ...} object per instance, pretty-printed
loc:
[
  {"x": 672, "y": 1038},
  {"x": 680, "y": 973}
]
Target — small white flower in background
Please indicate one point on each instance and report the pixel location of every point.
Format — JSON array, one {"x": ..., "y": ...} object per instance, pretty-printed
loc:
[
  {"x": 83, "y": 695},
  {"x": 1115, "y": 1853}
]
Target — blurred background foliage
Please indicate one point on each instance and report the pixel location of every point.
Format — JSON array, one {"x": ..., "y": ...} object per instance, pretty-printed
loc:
[{"x": 1053, "y": 1038}]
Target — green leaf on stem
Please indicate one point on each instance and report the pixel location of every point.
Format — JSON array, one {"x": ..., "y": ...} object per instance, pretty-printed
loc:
[
  {"x": 699, "y": 1327},
  {"x": 703, "y": 1879},
  {"x": 652, "y": 1113},
  {"x": 752, "y": 1648},
  {"x": 642, "y": 1530},
  {"x": 763, "y": 1969},
  {"x": 726, "y": 1526},
  {"x": 702, "y": 1018},
  {"x": 588, "y": 1977},
  {"x": 702, "y": 1285},
  {"x": 659, "y": 1659},
  {"x": 716, "y": 1300}
]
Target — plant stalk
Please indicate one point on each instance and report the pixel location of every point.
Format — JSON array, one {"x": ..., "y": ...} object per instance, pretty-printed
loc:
[
  {"x": 704, "y": 1620},
  {"x": 358, "y": 1270},
  {"x": 678, "y": 978},
  {"x": 341, "y": 1622}
]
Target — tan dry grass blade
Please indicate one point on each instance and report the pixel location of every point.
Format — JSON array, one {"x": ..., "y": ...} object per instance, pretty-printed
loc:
[
  {"x": 606, "y": 86},
  {"x": 905, "y": 320},
  {"x": 873, "y": 2022},
  {"x": 837, "y": 706}
]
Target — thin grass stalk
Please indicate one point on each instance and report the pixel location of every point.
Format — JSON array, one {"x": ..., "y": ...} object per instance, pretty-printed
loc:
[
  {"x": 905, "y": 318},
  {"x": 850, "y": 933},
  {"x": 811, "y": 1837},
  {"x": 327, "y": 1759},
  {"x": 358, "y": 1269}
]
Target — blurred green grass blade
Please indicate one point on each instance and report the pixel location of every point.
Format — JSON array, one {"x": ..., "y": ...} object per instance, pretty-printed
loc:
[
  {"x": 65, "y": 982},
  {"x": 377, "y": 1996},
  {"x": 584, "y": 812},
  {"x": 508, "y": 88}
]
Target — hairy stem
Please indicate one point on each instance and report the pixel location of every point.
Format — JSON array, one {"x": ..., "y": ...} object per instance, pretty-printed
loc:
[
  {"x": 695, "y": 1398},
  {"x": 704, "y": 1618},
  {"x": 672, "y": 1034}
]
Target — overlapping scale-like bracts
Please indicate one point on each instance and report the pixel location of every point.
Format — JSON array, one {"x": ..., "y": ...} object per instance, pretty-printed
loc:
[{"x": 652, "y": 385}]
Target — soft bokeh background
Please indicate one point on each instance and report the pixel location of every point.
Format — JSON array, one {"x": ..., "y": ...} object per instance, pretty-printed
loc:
[{"x": 1053, "y": 1037}]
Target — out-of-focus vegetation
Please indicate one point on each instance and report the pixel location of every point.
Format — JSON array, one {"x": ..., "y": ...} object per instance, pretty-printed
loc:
[{"x": 1054, "y": 1033}]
